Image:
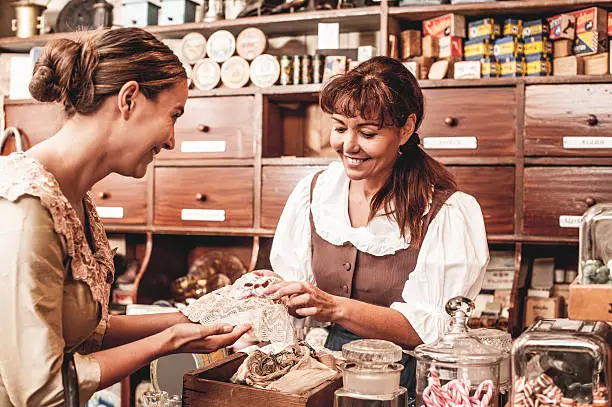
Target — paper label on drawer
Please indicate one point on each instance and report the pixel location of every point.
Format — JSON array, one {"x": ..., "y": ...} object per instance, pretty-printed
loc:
[
  {"x": 208, "y": 146},
  {"x": 567, "y": 221},
  {"x": 210, "y": 215},
  {"x": 468, "y": 143},
  {"x": 587, "y": 142},
  {"x": 110, "y": 212}
]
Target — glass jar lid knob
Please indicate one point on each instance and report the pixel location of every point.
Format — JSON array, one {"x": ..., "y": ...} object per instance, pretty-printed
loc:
[{"x": 459, "y": 304}]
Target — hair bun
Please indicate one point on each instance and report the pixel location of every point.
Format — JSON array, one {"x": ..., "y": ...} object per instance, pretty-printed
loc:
[{"x": 43, "y": 86}]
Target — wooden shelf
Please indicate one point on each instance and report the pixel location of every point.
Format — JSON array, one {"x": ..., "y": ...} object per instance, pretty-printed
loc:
[
  {"x": 565, "y": 161},
  {"x": 294, "y": 161},
  {"x": 469, "y": 160},
  {"x": 206, "y": 162},
  {"x": 291, "y": 24},
  {"x": 514, "y": 8}
]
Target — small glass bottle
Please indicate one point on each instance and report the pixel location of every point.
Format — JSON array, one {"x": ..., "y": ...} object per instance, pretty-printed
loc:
[
  {"x": 285, "y": 70},
  {"x": 296, "y": 70},
  {"x": 306, "y": 69}
]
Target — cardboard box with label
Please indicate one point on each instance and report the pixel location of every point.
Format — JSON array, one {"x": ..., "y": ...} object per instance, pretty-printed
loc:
[
  {"x": 448, "y": 25},
  {"x": 430, "y": 46},
  {"x": 539, "y": 308},
  {"x": 450, "y": 47},
  {"x": 562, "y": 48},
  {"x": 562, "y": 26},
  {"x": 591, "y": 31},
  {"x": 485, "y": 29}
]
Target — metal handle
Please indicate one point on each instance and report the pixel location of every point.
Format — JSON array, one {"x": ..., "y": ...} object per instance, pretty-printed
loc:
[
  {"x": 203, "y": 128},
  {"x": 590, "y": 201},
  {"x": 104, "y": 195},
  {"x": 592, "y": 120},
  {"x": 201, "y": 197},
  {"x": 450, "y": 121},
  {"x": 16, "y": 135}
]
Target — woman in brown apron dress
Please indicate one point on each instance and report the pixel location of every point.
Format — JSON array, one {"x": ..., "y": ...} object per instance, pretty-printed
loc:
[{"x": 377, "y": 243}]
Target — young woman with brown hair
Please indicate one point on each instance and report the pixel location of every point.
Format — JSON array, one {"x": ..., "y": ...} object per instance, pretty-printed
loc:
[
  {"x": 122, "y": 92},
  {"x": 377, "y": 243}
]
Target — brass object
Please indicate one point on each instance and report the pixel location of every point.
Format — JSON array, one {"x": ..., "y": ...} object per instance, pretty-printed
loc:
[{"x": 28, "y": 18}]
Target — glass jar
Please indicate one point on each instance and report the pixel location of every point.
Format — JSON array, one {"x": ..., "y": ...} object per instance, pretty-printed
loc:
[
  {"x": 561, "y": 362},
  {"x": 457, "y": 369},
  {"x": 595, "y": 252},
  {"x": 502, "y": 341},
  {"x": 371, "y": 376}
]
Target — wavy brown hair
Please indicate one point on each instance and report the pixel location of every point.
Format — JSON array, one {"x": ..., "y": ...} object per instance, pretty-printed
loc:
[
  {"x": 383, "y": 90},
  {"x": 81, "y": 74}
]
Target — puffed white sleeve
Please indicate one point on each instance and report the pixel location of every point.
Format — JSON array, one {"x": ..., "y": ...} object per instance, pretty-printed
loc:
[
  {"x": 291, "y": 253},
  {"x": 452, "y": 262}
]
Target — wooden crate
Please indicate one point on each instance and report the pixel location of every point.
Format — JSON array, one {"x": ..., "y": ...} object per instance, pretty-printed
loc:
[
  {"x": 590, "y": 302},
  {"x": 210, "y": 387}
]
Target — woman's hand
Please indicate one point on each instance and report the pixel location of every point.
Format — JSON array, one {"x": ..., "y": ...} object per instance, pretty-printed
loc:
[
  {"x": 306, "y": 300},
  {"x": 195, "y": 338}
]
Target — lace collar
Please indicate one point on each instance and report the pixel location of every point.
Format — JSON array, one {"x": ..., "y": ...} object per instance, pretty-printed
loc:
[
  {"x": 23, "y": 175},
  {"x": 329, "y": 207}
]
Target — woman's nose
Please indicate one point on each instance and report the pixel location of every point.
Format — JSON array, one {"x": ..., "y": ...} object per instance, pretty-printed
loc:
[{"x": 351, "y": 142}]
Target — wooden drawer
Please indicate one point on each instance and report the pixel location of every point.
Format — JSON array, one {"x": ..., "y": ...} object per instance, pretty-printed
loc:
[
  {"x": 560, "y": 195},
  {"x": 204, "y": 196},
  {"x": 568, "y": 120},
  {"x": 214, "y": 127},
  {"x": 35, "y": 121},
  {"x": 457, "y": 120},
  {"x": 122, "y": 200},
  {"x": 493, "y": 188},
  {"x": 277, "y": 185}
]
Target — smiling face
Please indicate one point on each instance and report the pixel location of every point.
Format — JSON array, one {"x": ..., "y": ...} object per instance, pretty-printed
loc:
[
  {"x": 367, "y": 151},
  {"x": 149, "y": 127}
]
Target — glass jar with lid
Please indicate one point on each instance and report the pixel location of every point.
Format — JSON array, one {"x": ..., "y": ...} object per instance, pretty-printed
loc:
[
  {"x": 502, "y": 341},
  {"x": 371, "y": 375},
  {"x": 562, "y": 362},
  {"x": 458, "y": 369},
  {"x": 596, "y": 245}
]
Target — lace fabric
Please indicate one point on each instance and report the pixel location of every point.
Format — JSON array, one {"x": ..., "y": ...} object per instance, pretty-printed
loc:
[
  {"x": 22, "y": 175},
  {"x": 244, "y": 303}
]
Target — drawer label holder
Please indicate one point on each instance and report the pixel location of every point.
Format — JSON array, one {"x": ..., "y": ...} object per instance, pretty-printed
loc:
[
  {"x": 587, "y": 142},
  {"x": 110, "y": 212},
  {"x": 207, "y": 146},
  {"x": 568, "y": 221},
  {"x": 209, "y": 215},
  {"x": 450, "y": 143}
]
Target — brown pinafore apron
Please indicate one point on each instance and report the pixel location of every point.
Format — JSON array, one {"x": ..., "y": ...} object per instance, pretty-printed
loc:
[{"x": 347, "y": 272}]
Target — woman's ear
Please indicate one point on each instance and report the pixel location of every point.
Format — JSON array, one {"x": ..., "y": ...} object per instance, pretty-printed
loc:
[
  {"x": 126, "y": 99},
  {"x": 408, "y": 129}
]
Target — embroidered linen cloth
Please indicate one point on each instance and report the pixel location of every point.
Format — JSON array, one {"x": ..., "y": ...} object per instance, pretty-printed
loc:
[{"x": 244, "y": 303}]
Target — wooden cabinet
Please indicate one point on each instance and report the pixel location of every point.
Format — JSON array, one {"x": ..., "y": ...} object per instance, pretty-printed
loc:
[
  {"x": 556, "y": 197},
  {"x": 204, "y": 196},
  {"x": 122, "y": 200},
  {"x": 493, "y": 188},
  {"x": 213, "y": 128},
  {"x": 469, "y": 122},
  {"x": 276, "y": 185},
  {"x": 568, "y": 120}
]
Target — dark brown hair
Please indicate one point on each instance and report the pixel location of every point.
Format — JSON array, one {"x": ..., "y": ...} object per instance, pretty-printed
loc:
[
  {"x": 81, "y": 74},
  {"x": 383, "y": 90}
]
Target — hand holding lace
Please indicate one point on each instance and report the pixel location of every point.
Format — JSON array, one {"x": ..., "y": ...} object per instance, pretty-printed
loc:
[{"x": 306, "y": 300}]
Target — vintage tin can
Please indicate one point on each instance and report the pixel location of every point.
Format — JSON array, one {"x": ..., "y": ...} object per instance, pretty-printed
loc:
[
  {"x": 537, "y": 65},
  {"x": 295, "y": 70},
  {"x": 489, "y": 68},
  {"x": 513, "y": 27},
  {"x": 512, "y": 67},
  {"x": 475, "y": 50},
  {"x": 509, "y": 46},
  {"x": 306, "y": 69},
  {"x": 285, "y": 70}
]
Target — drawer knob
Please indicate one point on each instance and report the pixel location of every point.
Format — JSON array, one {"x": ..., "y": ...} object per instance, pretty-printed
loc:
[
  {"x": 450, "y": 121},
  {"x": 201, "y": 197},
  {"x": 592, "y": 120},
  {"x": 203, "y": 128},
  {"x": 103, "y": 195},
  {"x": 590, "y": 201}
]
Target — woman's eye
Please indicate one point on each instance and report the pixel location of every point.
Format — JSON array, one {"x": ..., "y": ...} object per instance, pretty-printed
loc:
[
  {"x": 368, "y": 135},
  {"x": 339, "y": 129}
]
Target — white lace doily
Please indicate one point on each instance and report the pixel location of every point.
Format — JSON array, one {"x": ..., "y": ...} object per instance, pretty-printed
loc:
[{"x": 244, "y": 303}]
